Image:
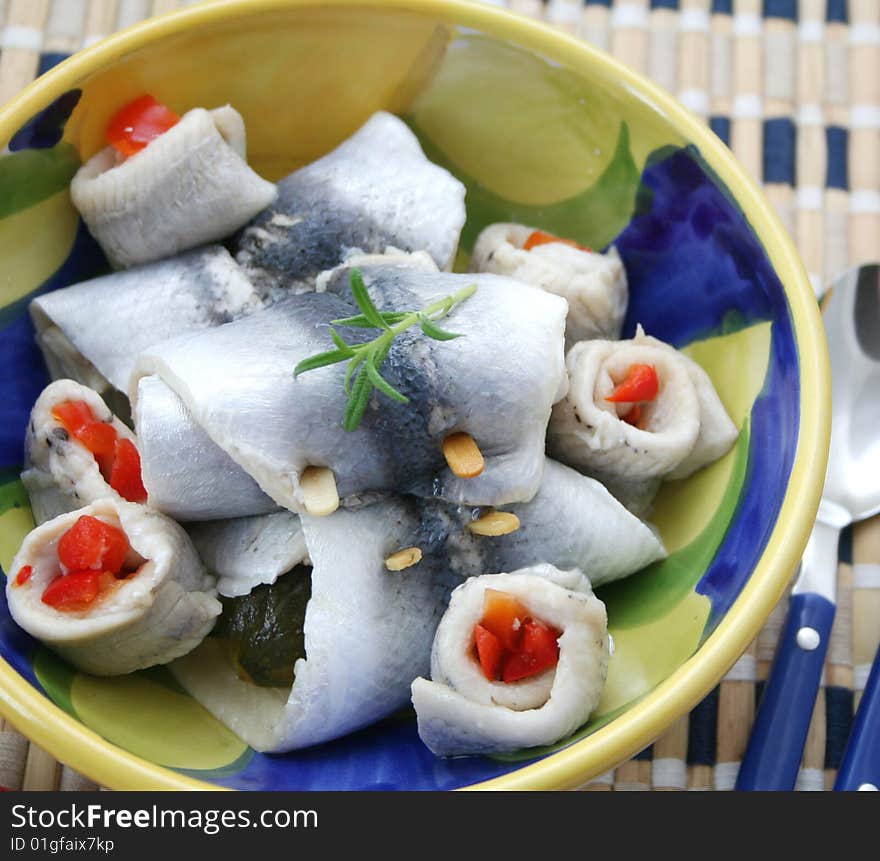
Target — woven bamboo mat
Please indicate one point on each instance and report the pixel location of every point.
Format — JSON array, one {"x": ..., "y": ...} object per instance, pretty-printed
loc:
[{"x": 794, "y": 89}]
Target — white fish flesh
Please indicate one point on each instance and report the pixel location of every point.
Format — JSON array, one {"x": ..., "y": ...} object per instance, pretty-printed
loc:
[
  {"x": 60, "y": 473},
  {"x": 461, "y": 712},
  {"x": 498, "y": 384},
  {"x": 185, "y": 474},
  {"x": 375, "y": 189},
  {"x": 367, "y": 632},
  {"x": 684, "y": 428},
  {"x": 594, "y": 284},
  {"x": 189, "y": 186},
  {"x": 93, "y": 331},
  {"x": 247, "y": 551},
  {"x": 572, "y": 522},
  {"x": 160, "y": 612}
]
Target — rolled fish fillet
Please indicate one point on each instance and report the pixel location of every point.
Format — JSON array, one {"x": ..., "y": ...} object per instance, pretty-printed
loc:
[
  {"x": 93, "y": 331},
  {"x": 162, "y": 609},
  {"x": 249, "y": 551},
  {"x": 189, "y": 186},
  {"x": 460, "y": 711},
  {"x": 367, "y": 635},
  {"x": 594, "y": 284},
  {"x": 684, "y": 428},
  {"x": 498, "y": 385},
  {"x": 187, "y": 476},
  {"x": 375, "y": 189},
  {"x": 60, "y": 473},
  {"x": 571, "y": 522}
]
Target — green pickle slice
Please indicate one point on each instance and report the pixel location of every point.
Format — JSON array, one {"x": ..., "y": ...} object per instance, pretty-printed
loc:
[{"x": 263, "y": 631}]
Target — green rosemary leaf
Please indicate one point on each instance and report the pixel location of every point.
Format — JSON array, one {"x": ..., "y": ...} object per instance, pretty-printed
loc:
[
  {"x": 337, "y": 339},
  {"x": 319, "y": 360},
  {"x": 350, "y": 368},
  {"x": 383, "y": 385},
  {"x": 362, "y": 298},
  {"x": 362, "y": 372},
  {"x": 357, "y": 400},
  {"x": 359, "y": 321},
  {"x": 432, "y": 330}
]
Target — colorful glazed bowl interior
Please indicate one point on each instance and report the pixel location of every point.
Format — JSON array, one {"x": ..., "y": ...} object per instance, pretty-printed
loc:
[{"x": 542, "y": 131}]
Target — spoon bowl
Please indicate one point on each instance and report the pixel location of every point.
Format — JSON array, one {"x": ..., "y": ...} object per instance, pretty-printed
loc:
[{"x": 851, "y": 312}]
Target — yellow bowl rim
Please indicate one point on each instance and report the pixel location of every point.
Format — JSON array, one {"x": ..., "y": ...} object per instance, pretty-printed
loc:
[{"x": 69, "y": 741}]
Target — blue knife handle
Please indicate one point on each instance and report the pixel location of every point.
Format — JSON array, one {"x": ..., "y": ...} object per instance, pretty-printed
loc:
[
  {"x": 861, "y": 759},
  {"x": 776, "y": 745}
]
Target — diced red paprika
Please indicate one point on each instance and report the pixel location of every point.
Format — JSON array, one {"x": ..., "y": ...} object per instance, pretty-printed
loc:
[
  {"x": 92, "y": 545},
  {"x": 539, "y": 237},
  {"x": 117, "y": 458},
  {"x": 639, "y": 386},
  {"x": 489, "y": 651},
  {"x": 633, "y": 415},
  {"x": 74, "y": 415},
  {"x": 136, "y": 124},
  {"x": 73, "y": 591},
  {"x": 125, "y": 475},
  {"x": 503, "y": 615},
  {"x": 510, "y": 645},
  {"x": 538, "y": 651},
  {"x": 24, "y": 574}
]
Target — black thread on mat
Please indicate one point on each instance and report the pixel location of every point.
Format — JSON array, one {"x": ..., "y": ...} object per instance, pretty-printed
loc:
[
  {"x": 779, "y": 150},
  {"x": 837, "y": 12},
  {"x": 664, "y": 4},
  {"x": 721, "y": 127},
  {"x": 844, "y": 549},
  {"x": 50, "y": 59},
  {"x": 646, "y": 755},
  {"x": 838, "y": 721},
  {"x": 722, "y": 7},
  {"x": 787, "y": 9},
  {"x": 837, "y": 171},
  {"x": 703, "y": 731}
]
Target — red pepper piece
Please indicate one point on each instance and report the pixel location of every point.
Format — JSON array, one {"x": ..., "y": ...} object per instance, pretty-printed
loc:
[
  {"x": 503, "y": 615},
  {"x": 538, "y": 651},
  {"x": 489, "y": 651},
  {"x": 100, "y": 439},
  {"x": 73, "y": 591},
  {"x": 634, "y": 416},
  {"x": 24, "y": 574},
  {"x": 539, "y": 237},
  {"x": 641, "y": 385},
  {"x": 125, "y": 476},
  {"x": 74, "y": 415},
  {"x": 92, "y": 545},
  {"x": 136, "y": 124}
]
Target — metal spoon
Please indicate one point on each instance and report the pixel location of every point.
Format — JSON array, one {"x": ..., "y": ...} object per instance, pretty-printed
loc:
[{"x": 851, "y": 313}]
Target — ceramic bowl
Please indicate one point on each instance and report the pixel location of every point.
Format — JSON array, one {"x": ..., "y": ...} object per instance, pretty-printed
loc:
[{"x": 542, "y": 130}]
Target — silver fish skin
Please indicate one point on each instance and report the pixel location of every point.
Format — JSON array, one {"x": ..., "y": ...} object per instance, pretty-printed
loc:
[
  {"x": 368, "y": 634},
  {"x": 572, "y": 522},
  {"x": 160, "y": 612},
  {"x": 237, "y": 383},
  {"x": 60, "y": 473},
  {"x": 110, "y": 319},
  {"x": 375, "y": 189},
  {"x": 186, "y": 475},
  {"x": 189, "y": 186},
  {"x": 248, "y": 551}
]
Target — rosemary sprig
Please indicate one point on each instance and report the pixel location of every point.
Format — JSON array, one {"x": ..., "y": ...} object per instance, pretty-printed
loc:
[{"x": 364, "y": 360}]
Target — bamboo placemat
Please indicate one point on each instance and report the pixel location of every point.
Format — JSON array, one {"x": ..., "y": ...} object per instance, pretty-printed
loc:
[{"x": 794, "y": 89}]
